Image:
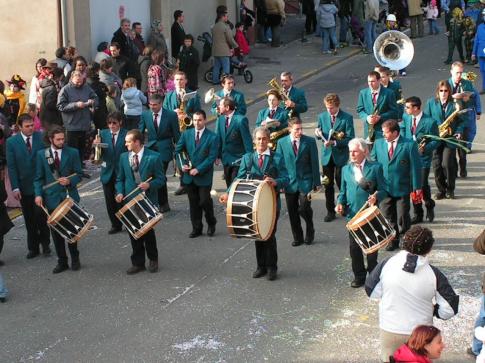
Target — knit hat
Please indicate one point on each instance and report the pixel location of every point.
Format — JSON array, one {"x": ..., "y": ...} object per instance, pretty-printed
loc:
[{"x": 17, "y": 81}]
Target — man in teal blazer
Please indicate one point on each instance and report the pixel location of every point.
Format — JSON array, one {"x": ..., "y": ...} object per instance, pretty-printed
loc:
[
  {"x": 393, "y": 85},
  {"x": 173, "y": 98},
  {"x": 263, "y": 164},
  {"x": 135, "y": 168},
  {"x": 362, "y": 181},
  {"x": 56, "y": 163},
  {"x": 402, "y": 170},
  {"x": 415, "y": 126},
  {"x": 296, "y": 97},
  {"x": 196, "y": 153},
  {"x": 228, "y": 90},
  {"x": 335, "y": 128},
  {"x": 21, "y": 154},
  {"x": 114, "y": 138},
  {"x": 376, "y": 105},
  {"x": 163, "y": 132},
  {"x": 234, "y": 138},
  {"x": 301, "y": 158}
]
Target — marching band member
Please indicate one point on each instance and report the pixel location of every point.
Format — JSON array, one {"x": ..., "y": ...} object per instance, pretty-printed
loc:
[
  {"x": 273, "y": 117},
  {"x": 402, "y": 171},
  {"x": 56, "y": 163},
  {"x": 416, "y": 125},
  {"x": 136, "y": 166},
  {"x": 196, "y": 153},
  {"x": 392, "y": 84},
  {"x": 234, "y": 138},
  {"x": 163, "y": 132},
  {"x": 362, "y": 181},
  {"x": 337, "y": 129},
  {"x": 376, "y": 104},
  {"x": 301, "y": 158},
  {"x": 228, "y": 83},
  {"x": 263, "y": 164},
  {"x": 114, "y": 138},
  {"x": 440, "y": 108},
  {"x": 21, "y": 154},
  {"x": 297, "y": 100}
]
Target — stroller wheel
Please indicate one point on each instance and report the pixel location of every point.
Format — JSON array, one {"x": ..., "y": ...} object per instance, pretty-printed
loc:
[
  {"x": 208, "y": 76},
  {"x": 248, "y": 76}
]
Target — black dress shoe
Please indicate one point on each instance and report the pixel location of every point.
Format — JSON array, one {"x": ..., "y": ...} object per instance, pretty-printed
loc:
[
  {"x": 211, "y": 230},
  {"x": 357, "y": 283},
  {"x": 181, "y": 190},
  {"x": 60, "y": 268},
  {"x": 439, "y": 196},
  {"x": 430, "y": 214},
  {"x": 296, "y": 243},
  {"x": 135, "y": 269},
  {"x": 165, "y": 208},
  {"x": 75, "y": 265},
  {"x": 114, "y": 230},
  {"x": 329, "y": 217},
  {"x": 260, "y": 272},
  {"x": 195, "y": 233},
  {"x": 450, "y": 195},
  {"x": 417, "y": 219},
  {"x": 153, "y": 266},
  {"x": 310, "y": 237},
  {"x": 271, "y": 274},
  {"x": 32, "y": 254}
]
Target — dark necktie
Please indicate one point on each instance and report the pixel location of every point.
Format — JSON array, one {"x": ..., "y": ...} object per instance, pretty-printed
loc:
[
  {"x": 155, "y": 121},
  {"x": 227, "y": 122},
  {"x": 391, "y": 150},
  {"x": 295, "y": 147},
  {"x": 113, "y": 140},
  {"x": 374, "y": 98},
  {"x": 136, "y": 161},
  {"x": 261, "y": 161},
  {"x": 29, "y": 145},
  {"x": 57, "y": 161},
  {"x": 361, "y": 168},
  {"x": 197, "y": 138},
  {"x": 271, "y": 114},
  {"x": 413, "y": 128},
  {"x": 333, "y": 120}
]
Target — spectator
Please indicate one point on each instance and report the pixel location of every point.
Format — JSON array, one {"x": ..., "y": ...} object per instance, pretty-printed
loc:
[
  {"x": 246, "y": 15},
  {"x": 49, "y": 114},
  {"x": 101, "y": 112},
  {"x": 222, "y": 44},
  {"x": 432, "y": 16},
  {"x": 61, "y": 58},
  {"x": 260, "y": 6},
  {"x": 103, "y": 52},
  {"x": 480, "y": 336},
  {"x": 308, "y": 8},
  {"x": 177, "y": 32},
  {"x": 74, "y": 102},
  {"x": 107, "y": 76},
  {"x": 275, "y": 18},
  {"x": 344, "y": 14},
  {"x": 122, "y": 65},
  {"x": 371, "y": 12},
  {"x": 32, "y": 111},
  {"x": 71, "y": 53},
  {"x": 326, "y": 13},
  {"x": 35, "y": 82},
  {"x": 157, "y": 39},
  {"x": 15, "y": 99},
  {"x": 157, "y": 74},
  {"x": 79, "y": 64},
  {"x": 144, "y": 61},
  {"x": 113, "y": 103},
  {"x": 477, "y": 344},
  {"x": 138, "y": 41},
  {"x": 243, "y": 49},
  {"x": 411, "y": 291},
  {"x": 189, "y": 62},
  {"x": 133, "y": 100},
  {"x": 3, "y": 99},
  {"x": 124, "y": 39},
  {"x": 416, "y": 16},
  {"x": 424, "y": 344}
]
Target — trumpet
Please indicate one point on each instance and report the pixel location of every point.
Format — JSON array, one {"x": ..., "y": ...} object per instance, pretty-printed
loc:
[
  {"x": 210, "y": 96},
  {"x": 98, "y": 150},
  {"x": 273, "y": 83}
]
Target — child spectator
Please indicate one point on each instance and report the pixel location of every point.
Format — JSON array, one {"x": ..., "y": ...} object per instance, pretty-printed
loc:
[
  {"x": 16, "y": 101},
  {"x": 424, "y": 344},
  {"x": 189, "y": 62},
  {"x": 432, "y": 14},
  {"x": 326, "y": 19},
  {"x": 112, "y": 101},
  {"x": 32, "y": 111},
  {"x": 133, "y": 100},
  {"x": 243, "y": 50}
]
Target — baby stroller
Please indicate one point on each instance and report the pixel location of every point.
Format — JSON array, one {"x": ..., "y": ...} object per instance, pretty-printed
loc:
[{"x": 206, "y": 39}]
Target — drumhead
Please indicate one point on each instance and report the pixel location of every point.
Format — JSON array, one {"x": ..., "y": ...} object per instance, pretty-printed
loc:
[
  {"x": 363, "y": 217},
  {"x": 265, "y": 210},
  {"x": 60, "y": 211}
]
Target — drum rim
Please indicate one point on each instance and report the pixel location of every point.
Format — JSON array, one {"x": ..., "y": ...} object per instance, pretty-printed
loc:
[
  {"x": 232, "y": 188},
  {"x": 255, "y": 210},
  {"x": 379, "y": 245},
  {"x": 132, "y": 202},
  {"x": 60, "y": 211},
  {"x": 83, "y": 231},
  {"x": 371, "y": 214},
  {"x": 147, "y": 227}
]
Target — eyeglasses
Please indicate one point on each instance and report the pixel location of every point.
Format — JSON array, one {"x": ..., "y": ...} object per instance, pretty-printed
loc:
[{"x": 444, "y": 90}]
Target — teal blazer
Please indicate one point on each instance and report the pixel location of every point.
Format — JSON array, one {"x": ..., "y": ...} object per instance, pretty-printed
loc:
[
  {"x": 236, "y": 141},
  {"x": 433, "y": 110},
  {"x": 150, "y": 166},
  {"x": 426, "y": 126},
  {"x": 238, "y": 98},
  {"x": 171, "y": 103},
  {"x": 21, "y": 163},
  {"x": 70, "y": 163},
  {"x": 302, "y": 169},
  {"x": 395, "y": 86},
  {"x": 352, "y": 195},
  {"x": 386, "y": 105},
  {"x": 474, "y": 102},
  {"x": 168, "y": 132},
  {"x": 280, "y": 115},
  {"x": 111, "y": 155},
  {"x": 273, "y": 166},
  {"x": 202, "y": 156},
  {"x": 344, "y": 122},
  {"x": 403, "y": 171},
  {"x": 298, "y": 96}
]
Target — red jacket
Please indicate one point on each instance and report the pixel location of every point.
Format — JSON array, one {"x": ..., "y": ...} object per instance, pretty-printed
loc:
[
  {"x": 405, "y": 355},
  {"x": 242, "y": 42}
]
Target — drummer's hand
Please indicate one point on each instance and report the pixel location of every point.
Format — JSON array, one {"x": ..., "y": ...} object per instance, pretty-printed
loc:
[
  {"x": 193, "y": 172},
  {"x": 339, "y": 209},
  {"x": 185, "y": 168},
  {"x": 144, "y": 186},
  {"x": 328, "y": 143},
  {"x": 270, "y": 180},
  {"x": 64, "y": 181},
  {"x": 38, "y": 201},
  {"x": 223, "y": 198},
  {"x": 372, "y": 200},
  {"x": 119, "y": 198}
]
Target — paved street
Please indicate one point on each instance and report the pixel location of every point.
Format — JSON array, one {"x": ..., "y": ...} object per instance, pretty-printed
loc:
[{"x": 203, "y": 305}]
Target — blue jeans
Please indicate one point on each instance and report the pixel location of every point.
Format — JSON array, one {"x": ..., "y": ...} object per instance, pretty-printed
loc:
[
  {"x": 327, "y": 34},
  {"x": 220, "y": 62},
  {"x": 477, "y": 344},
  {"x": 481, "y": 63},
  {"x": 370, "y": 34},
  {"x": 3, "y": 289},
  {"x": 433, "y": 26},
  {"x": 344, "y": 28}
]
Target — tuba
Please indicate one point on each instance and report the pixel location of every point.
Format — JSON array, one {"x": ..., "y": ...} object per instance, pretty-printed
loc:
[
  {"x": 184, "y": 121},
  {"x": 394, "y": 50}
]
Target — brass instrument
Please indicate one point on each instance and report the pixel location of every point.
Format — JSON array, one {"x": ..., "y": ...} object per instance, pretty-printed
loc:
[
  {"x": 370, "y": 127},
  {"x": 393, "y": 49},
  {"x": 325, "y": 180},
  {"x": 445, "y": 127},
  {"x": 273, "y": 83},
  {"x": 184, "y": 121},
  {"x": 184, "y": 159},
  {"x": 98, "y": 151},
  {"x": 469, "y": 76},
  {"x": 275, "y": 136},
  {"x": 210, "y": 96},
  {"x": 339, "y": 135}
]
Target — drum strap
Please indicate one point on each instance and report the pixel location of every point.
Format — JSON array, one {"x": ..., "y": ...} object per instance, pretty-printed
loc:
[{"x": 50, "y": 162}]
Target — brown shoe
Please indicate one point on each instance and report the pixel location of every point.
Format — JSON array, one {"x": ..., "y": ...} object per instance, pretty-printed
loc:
[
  {"x": 135, "y": 269},
  {"x": 153, "y": 266}
]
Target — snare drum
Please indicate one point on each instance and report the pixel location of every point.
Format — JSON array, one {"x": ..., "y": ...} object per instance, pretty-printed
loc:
[
  {"x": 371, "y": 230},
  {"x": 139, "y": 215},
  {"x": 70, "y": 220},
  {"x": 251, "y": 209}
]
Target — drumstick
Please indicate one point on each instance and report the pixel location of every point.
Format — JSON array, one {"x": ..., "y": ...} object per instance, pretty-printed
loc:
[
  {"x": 45, "y": 210},
  {"x": 366, "y": 204},
  {"x": 47, "y": 186},
  {"x": 137, "y": 188}
]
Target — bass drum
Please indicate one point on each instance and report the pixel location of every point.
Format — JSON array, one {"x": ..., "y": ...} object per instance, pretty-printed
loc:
[{"x": 251, "y": 209}]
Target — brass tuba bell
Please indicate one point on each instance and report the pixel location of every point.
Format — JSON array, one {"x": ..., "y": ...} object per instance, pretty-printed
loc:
[{"x": 394, "y": 50}]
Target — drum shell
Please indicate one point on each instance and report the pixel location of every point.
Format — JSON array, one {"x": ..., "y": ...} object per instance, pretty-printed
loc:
[
  {"x": 139, "y": 215},
  {"x": 70, "y": 220}
]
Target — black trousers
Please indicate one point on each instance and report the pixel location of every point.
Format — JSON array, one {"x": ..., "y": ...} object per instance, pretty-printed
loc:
[
  {"x": 428, "y": 200},
  {"x": 200, "y": 201},
  {"x": 230, "y": 173},
  {"x": 147, "y": 242},
  {"x": 298, "y": 205},
  {"x": 60, "y": 245},
  {"x": 396, "y": 210},
  {"x": 131, "y": 122},
  {"x": 35, "y": 223},
  {"x": 112, "y": 206},
  {"x": 334, "y": 174},
  {"x": 311, "y": 22},
  {"x": 357, "y": 258},
  {"x": 462, "y": 154},
  {"x": 445, "y": 168},
  {"x": 266, "y": 251},
  {"x": 77, "y": 140},
  {"x": 163, "y": 191}
]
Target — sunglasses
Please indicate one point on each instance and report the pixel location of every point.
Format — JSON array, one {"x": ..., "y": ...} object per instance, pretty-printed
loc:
[{"x": 444, "y": 90}]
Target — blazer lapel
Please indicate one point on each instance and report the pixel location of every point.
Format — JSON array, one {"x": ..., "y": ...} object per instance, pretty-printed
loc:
[
  {"x": 301, "y": 148},
  {"x": 397, "y": 149},
  {"x": 231, "y": 125},
  {"x": 64, "y": 160}
]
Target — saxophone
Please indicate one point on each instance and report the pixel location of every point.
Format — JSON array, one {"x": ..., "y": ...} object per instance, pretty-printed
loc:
[
  {"x": 370, "y": 127},
  {"x": 184, "y": 121},
  {"x": 445, "y": 127}
]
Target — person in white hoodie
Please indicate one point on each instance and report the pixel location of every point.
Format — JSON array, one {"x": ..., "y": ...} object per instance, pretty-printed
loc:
[
  {"x": 133, "y": 100},
  {"x": 326, "y": 20},
  {"x": 411, "y": 291}
]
